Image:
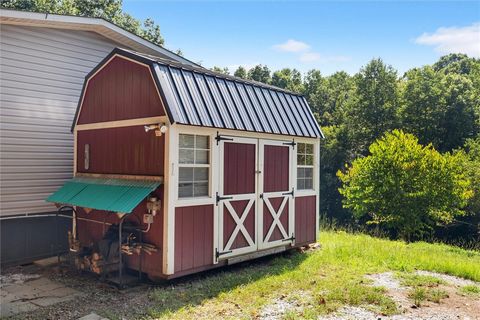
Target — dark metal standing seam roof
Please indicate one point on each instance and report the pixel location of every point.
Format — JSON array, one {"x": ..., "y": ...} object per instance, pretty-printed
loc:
[{"x": 199, "y": 97}]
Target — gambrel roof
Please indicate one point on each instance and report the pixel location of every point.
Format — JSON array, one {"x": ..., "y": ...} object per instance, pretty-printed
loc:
[{"x": 199, "y": 97}]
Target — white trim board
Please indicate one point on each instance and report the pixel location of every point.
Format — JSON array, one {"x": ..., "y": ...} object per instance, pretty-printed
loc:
[{"x": 121, "y": 123}]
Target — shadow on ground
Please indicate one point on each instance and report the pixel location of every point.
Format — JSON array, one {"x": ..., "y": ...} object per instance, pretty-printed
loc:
[
  {"x": 152, "y": 299},
  {"x": 196, "y": 289}
]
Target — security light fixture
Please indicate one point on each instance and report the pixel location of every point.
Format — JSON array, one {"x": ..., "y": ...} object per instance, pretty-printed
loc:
[{"x": 159, "y": 128}]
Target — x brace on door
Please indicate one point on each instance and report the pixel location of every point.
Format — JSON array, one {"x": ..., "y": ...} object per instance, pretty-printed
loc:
[
  {"x": 276, "y": 218},
  {"x": 239, "y": 224}
]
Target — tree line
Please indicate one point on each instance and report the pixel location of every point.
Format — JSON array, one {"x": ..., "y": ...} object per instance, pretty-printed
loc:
[{"x": 429, "y": 118}]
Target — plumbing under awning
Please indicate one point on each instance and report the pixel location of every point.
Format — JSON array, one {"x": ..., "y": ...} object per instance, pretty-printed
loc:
[{"x": 115, "y": 195}]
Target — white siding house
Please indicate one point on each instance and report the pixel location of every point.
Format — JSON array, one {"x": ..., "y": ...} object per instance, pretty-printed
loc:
[{"x": 43, "y": 62}]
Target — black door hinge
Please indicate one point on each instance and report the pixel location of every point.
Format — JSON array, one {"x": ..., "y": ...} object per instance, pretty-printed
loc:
[
  {"x": 289, "y": 239},
  {"x": 292, "y": 144},
  {"x": 222, "y": 198},
  {"x": 218, "y": 253},
  {"x": 291, "y": 193},
  {"x": 220, "y": 138}
]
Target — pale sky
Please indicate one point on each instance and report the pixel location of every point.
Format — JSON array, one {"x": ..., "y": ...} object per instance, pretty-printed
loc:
[{"x": 325, "y": 35}]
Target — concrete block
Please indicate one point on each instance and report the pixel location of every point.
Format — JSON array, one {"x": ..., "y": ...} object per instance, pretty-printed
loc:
[
  {"x": 10, "y": 309},
  {"x": 92, "y": 316},
  {"x": 49, "y": 300}
]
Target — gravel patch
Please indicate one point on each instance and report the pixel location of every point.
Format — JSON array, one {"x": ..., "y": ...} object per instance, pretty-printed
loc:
[
  {"x": 350, "y": 313},
  {"x": 360, "y": 313},
  {"x": 276, "y": 310},
  {"x": 456, "y": 281},
  {"x": 386, "y": 279},
  {"x": 279, "y": 307}
]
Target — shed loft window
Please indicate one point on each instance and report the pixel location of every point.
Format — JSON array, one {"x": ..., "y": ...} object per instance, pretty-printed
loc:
[
  {"x": 194, "y": 165},
  {"x": 305, "y": 166}
]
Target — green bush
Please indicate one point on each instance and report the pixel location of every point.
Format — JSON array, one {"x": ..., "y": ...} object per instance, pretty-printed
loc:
[{"x": 406, "y": 187}]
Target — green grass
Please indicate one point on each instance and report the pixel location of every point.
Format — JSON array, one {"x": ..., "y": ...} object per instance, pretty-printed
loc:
[
  {"x": 417, "y": 280},
  {"x": 418, "y": 295},
  {"x": 424, "y": 287},
  {"x": 436, "y": 295},
  {"x": 320, "y": 281},
  {"x": 470, "y": 290}
]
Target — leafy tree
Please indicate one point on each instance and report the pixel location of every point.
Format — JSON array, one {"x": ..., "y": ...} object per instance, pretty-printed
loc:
[
  {"x": 329, "y": 96},
  {"x": 290, "y": 79},
  {"x": 241, "y": 72},
  {"x": 260, "y": 73},
  {"x": 457, "y": 63},
  {"x": 110, "y": 10},
  {"x": 423, "y": 105},
  {"x": 440, "y": 107},
  {"x": 373, "y": 109},
  {"x": 312, "y": 84},
  {"x": 220, "y": 70},
  {"x": 151, "y": 31},
  {"x": 472, "y": 167},
  {"x": 460, "y": 120},
  {"x": 406, "y": 187},
  {"x": 179, "y": 52},
  {"x": 335, "y": 152}
]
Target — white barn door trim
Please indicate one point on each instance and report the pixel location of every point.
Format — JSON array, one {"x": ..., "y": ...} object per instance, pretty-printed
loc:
[
  {"x": 264, "y": 241},
  {"x": 224, "y": 206}
]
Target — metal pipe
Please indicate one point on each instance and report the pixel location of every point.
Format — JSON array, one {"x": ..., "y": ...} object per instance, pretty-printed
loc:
[
  {"x": 94, "y": 221},
  {"x": 120, "y": 266},
  {"x": 146, "y": 230}
]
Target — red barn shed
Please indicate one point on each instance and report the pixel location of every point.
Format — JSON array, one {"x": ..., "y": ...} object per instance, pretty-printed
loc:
[{"x": 205, "y": 168}]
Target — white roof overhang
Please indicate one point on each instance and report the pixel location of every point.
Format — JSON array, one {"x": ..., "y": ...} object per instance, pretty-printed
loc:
[{"x": 100, "y": 26}]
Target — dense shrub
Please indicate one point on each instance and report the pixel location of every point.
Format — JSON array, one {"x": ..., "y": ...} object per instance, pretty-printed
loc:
[{"x": 406, "y": 187}]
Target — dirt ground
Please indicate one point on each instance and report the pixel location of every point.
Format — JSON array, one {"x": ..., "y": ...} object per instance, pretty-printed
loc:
[
  {"x": 88, "y": 295},
  {"x": 92, "y": 295},
  {"x": 454, "y": 306}
]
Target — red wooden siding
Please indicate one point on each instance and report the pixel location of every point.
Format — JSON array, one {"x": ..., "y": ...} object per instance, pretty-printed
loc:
[
  {"x": 90, "y": 232},
  {"x": 229, "y": 224},
  {"x": 121, "y": 90},
  {"x": 239, "y": 168},
  {"x": 276, "y": 168},
  {"x": 193, "y": 237},
  {"x": 268, "y": 219},
  {"x": 305, "y": 219},
  {"x": 125, "y": 150}
]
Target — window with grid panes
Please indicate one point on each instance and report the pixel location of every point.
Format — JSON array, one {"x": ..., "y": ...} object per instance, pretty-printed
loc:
[
  {"x": 305, "y": 166},
  {"x": 194, "y": 166}
]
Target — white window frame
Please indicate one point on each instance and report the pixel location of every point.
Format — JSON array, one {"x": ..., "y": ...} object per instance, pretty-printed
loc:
[
  {"x": 312, "y": 166},
  {"x": 175, "y": 163},
  {"x": 193, "y": 165}
]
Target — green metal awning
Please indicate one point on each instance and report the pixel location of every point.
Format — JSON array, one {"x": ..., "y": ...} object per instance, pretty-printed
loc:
[{"x": 116, "y": 195}]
